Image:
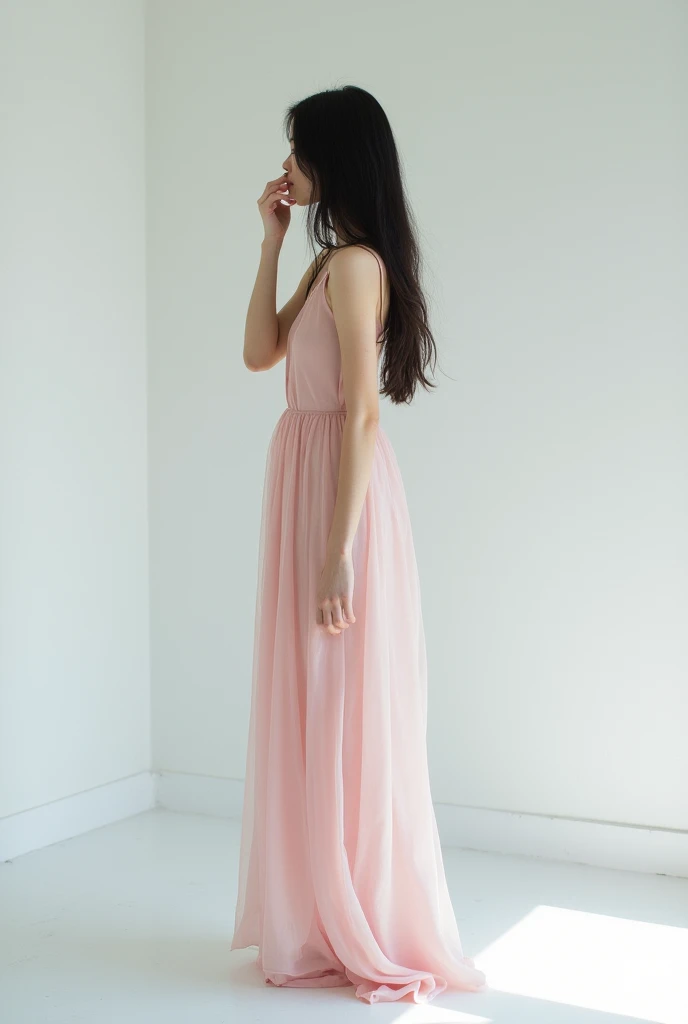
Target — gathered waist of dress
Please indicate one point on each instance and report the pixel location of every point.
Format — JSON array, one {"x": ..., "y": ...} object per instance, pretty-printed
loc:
[{"x": 315, "y": 412}]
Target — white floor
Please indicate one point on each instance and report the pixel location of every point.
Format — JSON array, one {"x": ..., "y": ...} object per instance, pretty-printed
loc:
[{"x": 132, "y": 923}]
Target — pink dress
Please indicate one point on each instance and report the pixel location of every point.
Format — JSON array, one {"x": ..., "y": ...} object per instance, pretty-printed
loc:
[{"x": 341, "y": 880}]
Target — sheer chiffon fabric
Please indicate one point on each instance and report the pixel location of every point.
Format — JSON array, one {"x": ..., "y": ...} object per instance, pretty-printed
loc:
[{"x": 341, "y": 878}]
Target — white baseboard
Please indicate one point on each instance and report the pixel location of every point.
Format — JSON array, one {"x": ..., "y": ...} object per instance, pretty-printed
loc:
[
  {"x": 74, "y": 815},
  {"x": 600, "y": 844},
  {"x": 199, "y": 794}
]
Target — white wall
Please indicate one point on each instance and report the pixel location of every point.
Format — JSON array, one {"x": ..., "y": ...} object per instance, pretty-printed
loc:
[
  {"x": 545, "y": 151},
  {"x": 74, "y": 670}
]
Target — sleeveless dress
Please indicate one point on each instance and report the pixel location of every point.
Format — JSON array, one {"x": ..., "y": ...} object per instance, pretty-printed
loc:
[{"x": 341, "y": 880}]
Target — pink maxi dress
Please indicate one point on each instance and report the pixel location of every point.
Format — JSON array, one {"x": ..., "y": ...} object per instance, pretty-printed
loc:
[{"x": 341, "y": 879}]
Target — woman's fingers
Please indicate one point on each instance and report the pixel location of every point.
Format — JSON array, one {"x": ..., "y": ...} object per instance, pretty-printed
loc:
[
  {"x": 334, "y": 595},
  {"x": 272, "y": 185},
  {"x": 337, "y": 617},
  {"x": 348, "y": 608},
  {"x": 272, "y": 188},
  {"x": 329, "y": 615},
  {"x": 328, "y": 619},
  {"x": 275, "y": 197}
]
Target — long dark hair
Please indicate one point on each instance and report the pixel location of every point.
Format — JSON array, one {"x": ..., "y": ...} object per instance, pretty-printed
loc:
[{"x": 343, "y": 143}]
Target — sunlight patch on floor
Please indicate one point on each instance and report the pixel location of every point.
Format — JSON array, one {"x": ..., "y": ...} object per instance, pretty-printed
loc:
[
  {"x": 609, "y": 964},
  {"x": 432, "y": 1014}
]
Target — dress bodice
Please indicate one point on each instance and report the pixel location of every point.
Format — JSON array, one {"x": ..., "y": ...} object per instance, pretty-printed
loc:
[{"x": 313, "y": 374}]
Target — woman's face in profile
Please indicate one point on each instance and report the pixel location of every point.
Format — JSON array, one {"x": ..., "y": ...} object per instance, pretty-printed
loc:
[{"x": 299, "y": 185}]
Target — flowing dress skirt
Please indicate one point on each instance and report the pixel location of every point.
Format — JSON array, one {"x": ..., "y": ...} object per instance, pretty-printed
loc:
[{"x": 341, "y": 879}]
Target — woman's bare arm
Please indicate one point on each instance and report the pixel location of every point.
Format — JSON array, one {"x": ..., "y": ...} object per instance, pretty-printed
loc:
[
  {"x": 266, "y": 332},
  {"x": 355, "y": 296}
]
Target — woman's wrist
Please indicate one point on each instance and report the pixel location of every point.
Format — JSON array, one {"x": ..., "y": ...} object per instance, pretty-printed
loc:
[
  {"x": 338, "y": 550},
  {"x": 271, "y": 245}
]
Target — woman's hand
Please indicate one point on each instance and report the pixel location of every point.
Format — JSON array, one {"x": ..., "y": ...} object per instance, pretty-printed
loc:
[
  {"x": 335, "y": 594},
  {"x": 276, "y": 216}
]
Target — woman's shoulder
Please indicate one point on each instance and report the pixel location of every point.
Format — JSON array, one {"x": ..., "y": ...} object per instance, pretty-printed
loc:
[
  {"x": 354, "y": 255},
  {"x": 361, "y": 263}
]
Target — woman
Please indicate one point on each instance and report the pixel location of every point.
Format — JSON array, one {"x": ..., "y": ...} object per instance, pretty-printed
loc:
[{"x": 341, "y": 879}]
